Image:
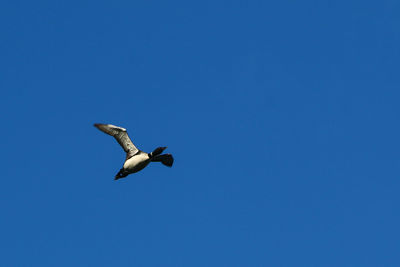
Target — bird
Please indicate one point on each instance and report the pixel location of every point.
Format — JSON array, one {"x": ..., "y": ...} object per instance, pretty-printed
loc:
[{"x": 135, "y": 160}]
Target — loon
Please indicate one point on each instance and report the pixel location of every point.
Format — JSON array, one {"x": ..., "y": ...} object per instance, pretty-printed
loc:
[{"x": 136, "y": 159}]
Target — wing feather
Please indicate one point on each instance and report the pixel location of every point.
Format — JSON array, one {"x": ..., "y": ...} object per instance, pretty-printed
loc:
[{"x": 121, "y": 135}]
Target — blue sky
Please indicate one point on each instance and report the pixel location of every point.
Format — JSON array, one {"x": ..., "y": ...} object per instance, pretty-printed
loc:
[{"x": 282, "y": 116}]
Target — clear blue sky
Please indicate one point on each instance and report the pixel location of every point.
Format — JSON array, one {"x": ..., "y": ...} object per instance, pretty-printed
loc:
[{"x": 282, "y": 116}]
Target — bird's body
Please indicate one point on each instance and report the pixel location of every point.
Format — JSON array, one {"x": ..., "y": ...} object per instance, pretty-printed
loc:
[{"x": 136, "y": 160}]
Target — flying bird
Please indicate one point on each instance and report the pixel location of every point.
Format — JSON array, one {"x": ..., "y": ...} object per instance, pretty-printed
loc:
[{"x": 136, "y": 159}]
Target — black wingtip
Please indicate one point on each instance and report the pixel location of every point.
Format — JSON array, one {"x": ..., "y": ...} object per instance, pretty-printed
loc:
[{"x": 158, "y": 151}]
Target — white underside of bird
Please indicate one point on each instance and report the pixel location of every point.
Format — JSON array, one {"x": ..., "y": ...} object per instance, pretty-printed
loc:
[{"x": 137, "y": 162}]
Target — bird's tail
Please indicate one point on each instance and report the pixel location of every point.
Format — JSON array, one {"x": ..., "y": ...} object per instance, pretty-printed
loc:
[{"x": 165, "y": 159}]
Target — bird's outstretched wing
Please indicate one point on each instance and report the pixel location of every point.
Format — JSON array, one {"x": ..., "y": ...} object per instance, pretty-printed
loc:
[{"x": 120, "y": 134}]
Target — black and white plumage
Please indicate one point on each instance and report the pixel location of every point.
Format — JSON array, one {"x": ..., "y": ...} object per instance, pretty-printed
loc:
[{"x": 136, "y": 159}]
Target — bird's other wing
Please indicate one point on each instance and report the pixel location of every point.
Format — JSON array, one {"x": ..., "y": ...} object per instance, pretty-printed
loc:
[{"x": 121, "y": 135}]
